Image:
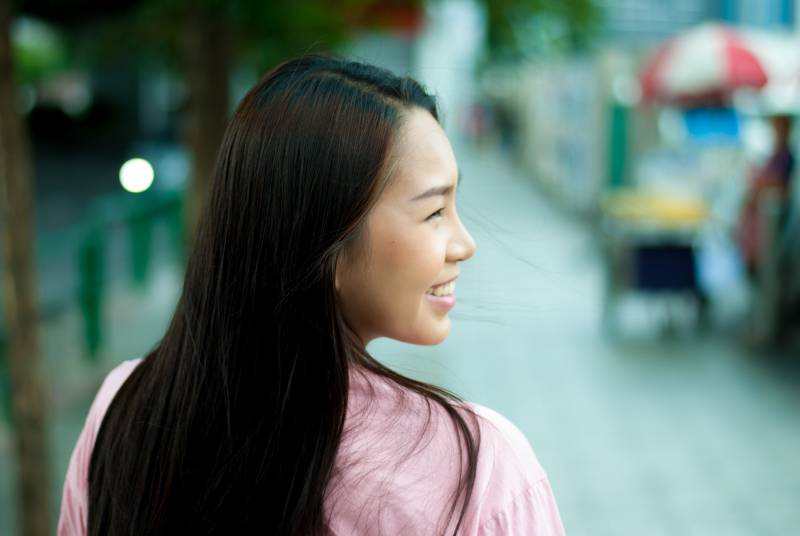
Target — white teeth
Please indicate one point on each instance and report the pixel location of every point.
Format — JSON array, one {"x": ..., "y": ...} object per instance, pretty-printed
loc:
[{"x": 443, "y": 290}]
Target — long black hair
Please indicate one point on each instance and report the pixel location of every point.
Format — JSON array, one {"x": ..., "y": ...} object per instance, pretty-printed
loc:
[{"x": 231, "y": 423}]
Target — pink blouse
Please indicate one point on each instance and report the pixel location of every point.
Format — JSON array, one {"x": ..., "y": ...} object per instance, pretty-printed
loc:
[{"x": 395, "y": 471}]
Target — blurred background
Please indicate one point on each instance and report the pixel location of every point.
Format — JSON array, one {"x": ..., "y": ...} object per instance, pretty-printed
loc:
[{"x": 628, "y": 171}]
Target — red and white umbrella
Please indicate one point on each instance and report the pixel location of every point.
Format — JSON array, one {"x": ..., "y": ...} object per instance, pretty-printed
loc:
[
  {"x": 779, "y": 53},
  {"x": 708, "y": 61}
]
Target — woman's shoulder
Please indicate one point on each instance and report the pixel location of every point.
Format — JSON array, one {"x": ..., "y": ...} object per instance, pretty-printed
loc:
[
  {"x": 504, "y": 452},
  {"x": 504, "y": 440},
  {"x": 105, "y": 395},
  {"x": 404, "y": 449},
  {"x": 112, "y": 383},
  {"x": 507, "y": 463},
  {"x": 512, "y": 490},
  {"x": 72, "y": 519}
]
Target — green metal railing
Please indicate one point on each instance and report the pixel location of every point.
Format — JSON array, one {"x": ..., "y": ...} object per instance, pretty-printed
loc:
[
  {"x": 138, "y": 215},
  {"x": 88, "y": 245}
]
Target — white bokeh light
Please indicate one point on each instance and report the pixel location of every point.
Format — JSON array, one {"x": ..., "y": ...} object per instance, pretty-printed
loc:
[{"x": 136, "y": 175}]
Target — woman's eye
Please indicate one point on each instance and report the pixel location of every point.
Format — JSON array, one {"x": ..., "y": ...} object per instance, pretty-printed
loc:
[{"x": 436, "y": 214}]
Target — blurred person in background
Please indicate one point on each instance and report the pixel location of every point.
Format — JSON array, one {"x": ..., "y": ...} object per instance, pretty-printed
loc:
[
  {"x": 331, "y": 222},
  {"x": 772, "y": 176}
]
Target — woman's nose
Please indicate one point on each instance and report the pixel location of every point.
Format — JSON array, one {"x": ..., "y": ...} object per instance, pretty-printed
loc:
[{"x": 462, "y": 246}]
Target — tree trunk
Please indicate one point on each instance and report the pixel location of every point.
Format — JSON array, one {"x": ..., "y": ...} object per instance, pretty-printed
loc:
[
  {"x": 206, "y": 55},
  {"x": 16, "y": 232}
]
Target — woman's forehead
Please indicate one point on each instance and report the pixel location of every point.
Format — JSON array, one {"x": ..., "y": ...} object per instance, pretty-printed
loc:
[{"x": 423, "y": 155}]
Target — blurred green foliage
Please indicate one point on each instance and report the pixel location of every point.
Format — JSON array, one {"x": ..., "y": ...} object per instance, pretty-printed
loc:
[
  {"x": 85, "y": 33},
  {"x": 266, "y": 32},
  {"x": 38, "y": 50},
  {"x": 262, "y": 33},
  {"x": 521, "y": 28}
]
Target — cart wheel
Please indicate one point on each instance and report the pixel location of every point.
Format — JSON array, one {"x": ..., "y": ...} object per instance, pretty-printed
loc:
[{"x": 703, "y": 312}]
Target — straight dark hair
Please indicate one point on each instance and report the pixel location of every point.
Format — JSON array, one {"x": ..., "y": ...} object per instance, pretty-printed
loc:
[{"x": 231, "y": 424}]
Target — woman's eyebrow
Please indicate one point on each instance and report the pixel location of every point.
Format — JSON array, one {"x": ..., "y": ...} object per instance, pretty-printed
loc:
[{"x": 437, "y": 190}]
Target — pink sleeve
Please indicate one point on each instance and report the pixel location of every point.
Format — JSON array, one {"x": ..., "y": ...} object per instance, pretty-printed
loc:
[
  {"x": 515, "y": 493},
  {"x": 534, "y": 512},
  {"x": 72, "y": 520}
]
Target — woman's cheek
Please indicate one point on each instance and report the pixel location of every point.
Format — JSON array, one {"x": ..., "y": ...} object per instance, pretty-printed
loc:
[{"x": 400, "y": 254}]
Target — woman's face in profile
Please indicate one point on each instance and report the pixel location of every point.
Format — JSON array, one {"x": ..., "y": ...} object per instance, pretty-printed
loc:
[{"x": 401, "y": 283}]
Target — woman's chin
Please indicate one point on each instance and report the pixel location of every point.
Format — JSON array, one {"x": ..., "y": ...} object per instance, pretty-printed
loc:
[
  {"x": 426, "y": 330},
  {"x": 434, "y": 333}
]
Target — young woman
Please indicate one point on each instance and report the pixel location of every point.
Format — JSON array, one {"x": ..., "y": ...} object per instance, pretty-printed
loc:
[{"x": 331, "y": 222}]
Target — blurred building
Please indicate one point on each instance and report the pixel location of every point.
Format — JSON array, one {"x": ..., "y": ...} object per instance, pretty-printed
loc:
[{"x": 638, "y": 22}]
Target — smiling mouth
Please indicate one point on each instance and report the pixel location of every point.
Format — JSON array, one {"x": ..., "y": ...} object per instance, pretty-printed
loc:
[{"x": 445, "y": 289}]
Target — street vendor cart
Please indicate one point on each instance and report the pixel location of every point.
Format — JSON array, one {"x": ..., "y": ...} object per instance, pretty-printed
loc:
[{"x": 649, "y": 241}]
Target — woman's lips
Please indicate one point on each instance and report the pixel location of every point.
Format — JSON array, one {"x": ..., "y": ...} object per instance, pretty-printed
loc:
[
  {"x": 444, "y": 282},
  {"x": 444, "y": 303}
]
